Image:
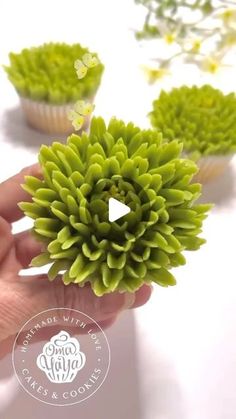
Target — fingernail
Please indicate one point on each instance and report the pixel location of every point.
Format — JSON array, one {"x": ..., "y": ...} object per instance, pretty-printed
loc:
[
  {"x": 142, "y": 295},
  {"x": 37, "y": 170},
  {"x": 129, "y": 300},
  {"x": 33, "y": 170}
]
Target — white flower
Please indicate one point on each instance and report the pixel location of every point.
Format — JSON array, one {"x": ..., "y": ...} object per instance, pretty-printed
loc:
[
  {"x": 228, "y": 16},
  {"x": 168, "y": 34},
  {"x": 154, "y": 74},
  {"x": 212, "y": 63},
  {"x": 193, "y": 45}
]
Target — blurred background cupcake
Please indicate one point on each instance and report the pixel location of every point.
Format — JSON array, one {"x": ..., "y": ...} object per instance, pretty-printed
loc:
[
  {"x": 49, "y": 85},
  {"x": 204, "y": 119}
]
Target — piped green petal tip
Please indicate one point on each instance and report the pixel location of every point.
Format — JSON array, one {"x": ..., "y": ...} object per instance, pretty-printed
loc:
[
  {"x": 202, "y": 118},
  {"x": 70, "y": 208}
]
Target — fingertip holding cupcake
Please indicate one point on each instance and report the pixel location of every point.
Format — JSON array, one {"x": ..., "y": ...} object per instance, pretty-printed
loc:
[{"x": 142, "y": 296}]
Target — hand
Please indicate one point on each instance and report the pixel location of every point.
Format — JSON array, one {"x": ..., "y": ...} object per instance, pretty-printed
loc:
[{"x": 22, "y": 297}]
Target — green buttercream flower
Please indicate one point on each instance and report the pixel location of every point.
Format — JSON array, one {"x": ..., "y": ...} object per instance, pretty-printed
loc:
[
  {"x": 70, "y": 208},
  {"x": 203, "y": 118},
  {"x": 47, "y": 73}
]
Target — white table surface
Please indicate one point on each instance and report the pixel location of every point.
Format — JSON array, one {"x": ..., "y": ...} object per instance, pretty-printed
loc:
[{"x": 174, "y": 358}]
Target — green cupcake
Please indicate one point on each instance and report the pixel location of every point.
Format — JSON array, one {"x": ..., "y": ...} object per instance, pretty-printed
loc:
[
  {"x": 204, "y": 120},
  {"x": 45, "y": 79}
]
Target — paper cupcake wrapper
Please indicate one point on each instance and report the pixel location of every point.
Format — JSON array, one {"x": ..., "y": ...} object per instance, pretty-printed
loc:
[
  {"x": 210, "y": 167},
  {"x": 47, "y": 118}
]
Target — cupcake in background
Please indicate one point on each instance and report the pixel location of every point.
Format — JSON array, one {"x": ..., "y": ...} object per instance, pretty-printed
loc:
[
  {"x": 204, "y": 119},
  {"x": 50, "y": 79}
]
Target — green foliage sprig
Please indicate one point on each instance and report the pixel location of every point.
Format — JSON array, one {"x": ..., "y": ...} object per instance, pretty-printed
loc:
[
  {"x": 203, "y": 118},
  {"x": 203, "y": 32},
  {"x": 70, "y": 208},
  {"x": 46, "y": 73}
]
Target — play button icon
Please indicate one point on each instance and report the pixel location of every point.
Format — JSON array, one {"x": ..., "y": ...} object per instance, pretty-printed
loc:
[{"x": 117, "y": 209}]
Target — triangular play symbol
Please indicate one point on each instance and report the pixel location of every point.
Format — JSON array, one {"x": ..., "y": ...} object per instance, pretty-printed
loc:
[{"x": 117, "y": 209}]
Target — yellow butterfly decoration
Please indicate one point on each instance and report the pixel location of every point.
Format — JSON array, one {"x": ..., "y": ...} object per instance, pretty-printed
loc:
[
  {"x": 78, "y": 114},
  {"x": 88, "y": 61}
]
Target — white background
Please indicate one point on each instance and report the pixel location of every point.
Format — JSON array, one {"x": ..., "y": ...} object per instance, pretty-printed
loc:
[{"x": 175, "y": 358}]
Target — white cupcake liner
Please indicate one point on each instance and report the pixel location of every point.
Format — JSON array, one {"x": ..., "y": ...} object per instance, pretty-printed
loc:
[
  {"x": 47, "y": 118},
  {"x": 210, "y": 167}
]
